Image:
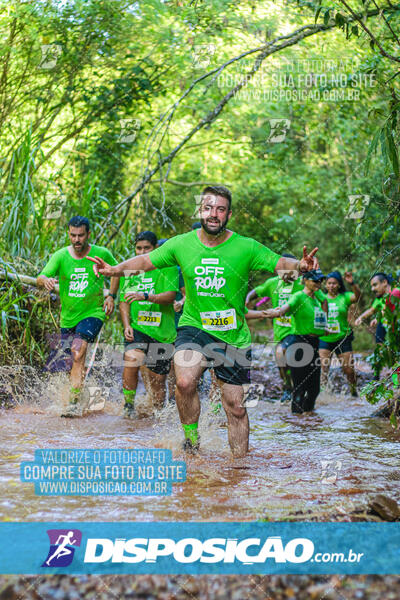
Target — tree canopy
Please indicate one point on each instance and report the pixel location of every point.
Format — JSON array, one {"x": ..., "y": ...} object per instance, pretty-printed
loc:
[{"x": 122, "y": 111}]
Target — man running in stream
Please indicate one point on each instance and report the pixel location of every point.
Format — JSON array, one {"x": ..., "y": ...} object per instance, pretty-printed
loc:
[
  {"x": 146, "y": 307},
  {"x": 279, "y": 289},
  {"x": 382, "y": 289},
  {"x": 83, "y": 308},
  {"x": 215, "y": 264}
]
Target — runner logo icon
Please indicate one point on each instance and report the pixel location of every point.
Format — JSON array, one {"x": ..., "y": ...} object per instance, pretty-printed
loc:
[{"x": 62, "y": 547}]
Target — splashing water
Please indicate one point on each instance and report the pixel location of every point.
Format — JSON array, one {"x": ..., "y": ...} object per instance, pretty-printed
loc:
[{"x": 313, "y": 465}]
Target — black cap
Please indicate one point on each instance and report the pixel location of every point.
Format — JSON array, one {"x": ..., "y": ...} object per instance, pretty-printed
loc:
[{"x": 314, "y": 275}]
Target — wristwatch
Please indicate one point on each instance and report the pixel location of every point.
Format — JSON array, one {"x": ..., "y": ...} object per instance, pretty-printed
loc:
[
  {"x": 146, "y": 296},
  {"x": 112, "y": 295}
]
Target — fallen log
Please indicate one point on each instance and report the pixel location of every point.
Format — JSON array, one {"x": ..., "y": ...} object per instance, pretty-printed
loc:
[
  {"x": 25, "y": 279},
  {"x": 31, "y": 281}
]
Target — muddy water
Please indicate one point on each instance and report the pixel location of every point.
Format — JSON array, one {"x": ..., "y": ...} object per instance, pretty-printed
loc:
[{"x": 330, "y": 462}]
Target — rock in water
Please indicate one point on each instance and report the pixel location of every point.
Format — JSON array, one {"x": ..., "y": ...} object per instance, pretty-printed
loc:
[
  {"x": 385, "y": 507},
  {"x": 384, "y": 412}
]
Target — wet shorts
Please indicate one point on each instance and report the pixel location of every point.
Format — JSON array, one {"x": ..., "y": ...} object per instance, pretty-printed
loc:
[
  {"x": 287, "y": 341},
  {"x": 340, "y": 346},
  {"x": 231, "y": 365},
  {"x": 158, "y": 354},
  {"x": 380, "y": 333},
  {"x": 87, "y": 329}
]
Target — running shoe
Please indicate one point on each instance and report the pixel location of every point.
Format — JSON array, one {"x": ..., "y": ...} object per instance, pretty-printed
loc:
[
  {"x": 286, "y": 396},
  {"x": 191, "y": 448},
  {"x": 73, "y": 410},
  {"x": 297, "y": 404},
  {"x": 353, "y": 391},
  {"x": 129, "y": 410}
]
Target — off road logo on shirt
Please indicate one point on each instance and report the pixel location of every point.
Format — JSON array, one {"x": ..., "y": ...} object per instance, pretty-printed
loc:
[
  {"x": 333, "y": 325},
  {"x": 209, "y": 276},
  {"x": 78, "y": 283},
  {"x": 283, "y": 297},
  {"x": 139, "y": 283},
  {"x": 333, "y": 311}
]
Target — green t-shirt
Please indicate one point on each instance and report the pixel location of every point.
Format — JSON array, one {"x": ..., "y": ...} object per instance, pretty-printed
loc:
[
  {"x": 379, "y": 306},
  {"x": 155, "y": 320},
  {"x": 179, "y": 296},
  {"x": 216, "y": 281},
  {"x": 337, "y": 316},
  {"x": 378, "y": 303},
  {"x": 308, "y": 316},
  {"x": 81, "y": 292},
  {"x": 280, "y": 292}
]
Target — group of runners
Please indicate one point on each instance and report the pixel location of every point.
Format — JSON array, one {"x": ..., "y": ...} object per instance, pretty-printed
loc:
[{"x": 204, "y": 274}]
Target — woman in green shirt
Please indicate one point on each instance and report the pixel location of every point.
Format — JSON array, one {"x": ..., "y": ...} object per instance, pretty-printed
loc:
[
  {"x": 302, "y": 354},
  {"x": 340, "y": 333}
]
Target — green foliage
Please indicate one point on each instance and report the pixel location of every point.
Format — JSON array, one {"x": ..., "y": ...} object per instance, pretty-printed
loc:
[
  {"x": 375, "y": 391},
  {"x": 387, "y": 354},
  {"x": 25, "y": 322},
  {"x": 63, "y": 152}
]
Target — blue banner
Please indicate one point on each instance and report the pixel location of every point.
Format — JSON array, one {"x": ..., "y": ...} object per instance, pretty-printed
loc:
[{"x": 200, "y": 548}]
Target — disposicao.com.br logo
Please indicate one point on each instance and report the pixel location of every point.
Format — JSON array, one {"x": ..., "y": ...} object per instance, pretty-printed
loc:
[
  {"x": 191, "y": 550},
  {"x": 188, "y": 550}
]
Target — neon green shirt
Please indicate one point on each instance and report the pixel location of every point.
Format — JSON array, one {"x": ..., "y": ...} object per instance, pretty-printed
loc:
[
  {"x": 81, "y": 292},
  {"x": 379, "y": 306},
  {"x": 280, "y": 292},
  {"x": 216, "y": 281},
  {"x": 155, "y": 320},
  {"x": 337, "y": 316},
  {"x": 308, "y": 316},
  {"x": 378, "y": 303}
]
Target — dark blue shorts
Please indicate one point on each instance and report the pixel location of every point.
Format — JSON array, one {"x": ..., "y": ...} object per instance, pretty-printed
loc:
[
  {"x": 87, "y": 329},
  {"x": 287, "y": 341},
  {"x": 158, "y": 354},
  {"x": 380, "y": 333},
  {"x": 340, "y": 346},
  {"x": 231, "y": 365}
]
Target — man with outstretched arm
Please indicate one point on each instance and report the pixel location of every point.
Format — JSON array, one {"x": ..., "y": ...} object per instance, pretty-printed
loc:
[
  {"x": 381, "y": 286},
  {"x": 215, "y": 263},
  {"x": 83, "y": 308}
]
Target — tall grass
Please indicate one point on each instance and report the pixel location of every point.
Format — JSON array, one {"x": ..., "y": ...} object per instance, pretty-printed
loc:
[
  {"x": 24, "y": 322},
  {"x": 19, "y": 226},
  {"x": 28, "y": 236}
]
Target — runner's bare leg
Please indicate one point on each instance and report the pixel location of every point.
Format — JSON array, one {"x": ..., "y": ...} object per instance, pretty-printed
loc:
[
  {"x": 347, "y": 362},
  {"x": 238, "y": 420},
  {"x": 171, "y": 383},
  {"x": 325, "y": 356},
  {"x": 187, "y": 378},
  {"x": 157, "y": 389},
  {"x": 133, "y": 359},
  {"x": 145, "y": 373},
  {"x": 78, "y": 351}
]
